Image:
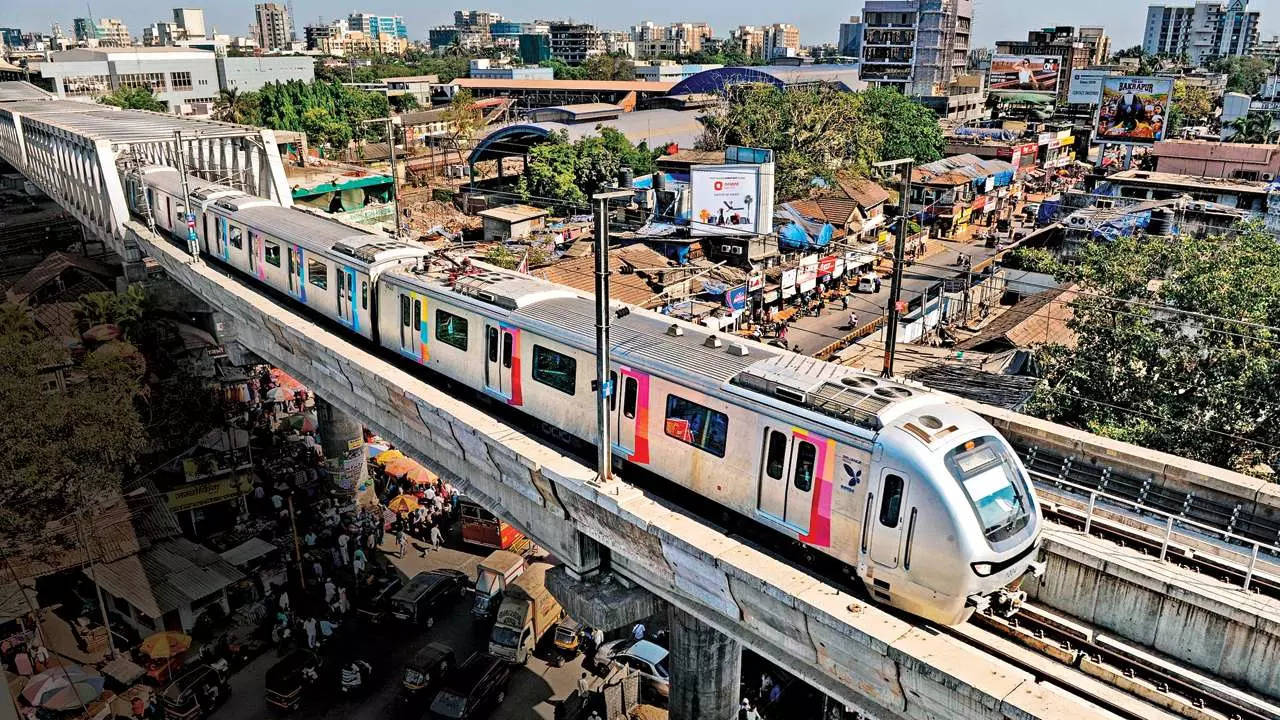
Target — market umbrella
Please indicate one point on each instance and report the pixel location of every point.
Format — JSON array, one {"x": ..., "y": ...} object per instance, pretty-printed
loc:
[
  {"x": 63, "y": 688},
  {"x": 302, "y": 422},
  {"x": 376, "y": 449},
  {"x": 387, "y": 456},
  {"x": 276, "y": 394},
  {"x": 403, "y": 504},
  {"x": 165, "y": 644},
  {"x": 400, "y": 466},
  {"x": 422, "y": 476}
]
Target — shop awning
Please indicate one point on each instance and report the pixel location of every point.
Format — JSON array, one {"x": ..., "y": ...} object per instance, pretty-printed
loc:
[{"x": 248, "y": 551}]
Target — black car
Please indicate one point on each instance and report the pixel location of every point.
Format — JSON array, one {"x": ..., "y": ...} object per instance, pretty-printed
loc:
[
  {"x": 374, "y": 597},
  {"x": 289, "y": 678},
  {"x": 195, "y": 694},
  {"x": 426, "y": 594},
  {"x": 425, "y": 671},
  {"x": 477, "y": 687}
]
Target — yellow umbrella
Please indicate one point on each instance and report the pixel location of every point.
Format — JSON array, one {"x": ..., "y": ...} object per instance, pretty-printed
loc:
[
  {"x": 400, "y": 467},
  {"x": 403, "y": 504},
  {"x": 386, "y": 457},
  {"x": 421, "y": 476},
  {"x": 165, "y": 644}
]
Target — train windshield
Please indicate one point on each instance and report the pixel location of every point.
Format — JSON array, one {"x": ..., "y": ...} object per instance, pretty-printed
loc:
[{"x": 991, "y": 480}]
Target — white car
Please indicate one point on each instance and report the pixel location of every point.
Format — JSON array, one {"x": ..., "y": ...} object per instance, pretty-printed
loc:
[
  {"x": 868, "y": 282},
  {"x": 649, "y": 659}
]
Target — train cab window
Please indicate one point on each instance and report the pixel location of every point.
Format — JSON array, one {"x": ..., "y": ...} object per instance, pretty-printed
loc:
[
  {"x": 364, "y": 294},
  {"x": 404, "y": 311},
  {"x": 994, "y": 485},
  {"x": 775, "y": 455},
  {"x": 236, "y": 238},
  {"x": 318, "y": 274},
  {"x": 806, "y": 458},
  {"x": 555, "y": 369},
  {"x": 271, "y": 253},
  {"x": 699, "y": 426},
  {"x": 631, "y": 388},
  {"x": 451, "y": 329},
  {"x": 891, "y": 501}
]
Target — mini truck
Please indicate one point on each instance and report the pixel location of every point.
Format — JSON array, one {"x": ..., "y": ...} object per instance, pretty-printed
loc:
[
  {"x": 527, "y": 612},
  {"x": 493, "y": 575}
]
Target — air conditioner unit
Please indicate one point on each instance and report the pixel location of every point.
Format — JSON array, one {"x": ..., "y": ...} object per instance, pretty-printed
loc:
[
  {"x": 731, "y": 249},
  {"x": 1196, "y": 206},
  {"x": 1077, "y": 221},
  {"x": 1268, "y": 176}
]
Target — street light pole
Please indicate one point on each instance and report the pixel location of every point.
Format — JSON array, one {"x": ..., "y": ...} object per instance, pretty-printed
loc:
[
  {"x": 905, "y": 166},
  {"x": 604, "y": 388}
]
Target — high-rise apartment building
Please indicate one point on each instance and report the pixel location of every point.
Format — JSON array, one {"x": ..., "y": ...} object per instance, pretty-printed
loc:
[
  {"x": 766, "y": 41},
  {"x": 378, "y": 25},
  {"x": 475, "y": 18},
  {"x": 1201, "y": 32},
  {"x": 191, "y": 21},
  {"x": 918, "y": 46},
  {"x": 573, "y": 43},
  {"x": 273, "y": 27},
  {"x": 653, "y": 41},
  {"x": 84, "y": 29},
  {"x": 112, "y": 32},
  {"x": 850, "y": 41}
]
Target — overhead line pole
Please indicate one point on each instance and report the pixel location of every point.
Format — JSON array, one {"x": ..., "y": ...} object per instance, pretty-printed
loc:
[
  {"x": 604, "y": 388},
  {"x": 905, "y": 165}
]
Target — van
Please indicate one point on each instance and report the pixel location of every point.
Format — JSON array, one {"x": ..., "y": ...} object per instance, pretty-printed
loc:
[
  {"x": 373, "y": 597},
  {"x": 493, "y": 575},
  {"x": 868, "y": 282},
  {"x": 426, "y": 594},
  {"x": 476, "y": 688}
]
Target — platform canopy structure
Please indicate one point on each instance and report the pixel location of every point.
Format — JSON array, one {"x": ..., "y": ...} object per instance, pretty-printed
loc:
[
  {"x": 715, "y": 81},
  {"x": 75, "y": 151}
]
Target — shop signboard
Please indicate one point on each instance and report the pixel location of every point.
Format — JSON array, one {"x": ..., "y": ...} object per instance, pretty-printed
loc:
[
  {"x": 1024, "y": 73},
  {"x": 789, "y": 282},
  {"x": 755, "y": 281},
  {"x": 732, "y": 199},
  {"x": 807, "y": 273},
  {"x": 827, "y": 266},
  {"x": 736, "y": 297},
  {"x": 1133, "y": 110},
  {"x": 839, "y": 271},
  {"x": 196, "y": 495}
]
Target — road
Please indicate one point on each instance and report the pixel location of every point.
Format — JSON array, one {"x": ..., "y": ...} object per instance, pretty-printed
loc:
[{"x": 528, "y": 693}]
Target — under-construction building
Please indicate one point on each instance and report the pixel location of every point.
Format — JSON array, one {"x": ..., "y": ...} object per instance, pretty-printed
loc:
[{"x": 921, "y": 47}]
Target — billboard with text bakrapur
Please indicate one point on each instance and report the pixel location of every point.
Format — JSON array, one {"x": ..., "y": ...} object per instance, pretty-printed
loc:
[{"x": 1133, "y": 109}]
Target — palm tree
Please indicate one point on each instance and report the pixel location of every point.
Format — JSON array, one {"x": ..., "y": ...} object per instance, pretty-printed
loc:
[
  {"x": 1252, "y": 128},
  {"x": 231, "y": 107}
]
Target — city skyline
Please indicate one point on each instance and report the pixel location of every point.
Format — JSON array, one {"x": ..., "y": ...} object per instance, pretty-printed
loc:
[{"x": 818, "y": 23}]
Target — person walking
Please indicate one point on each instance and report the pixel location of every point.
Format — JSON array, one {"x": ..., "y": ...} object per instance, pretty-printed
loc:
[
  {"x": 310, "y": 627},
  {"x": 853, "y": 321},
  {"x": 343, "y": 605},
  {"x": 637, "y": 631},
  {"x": 359, "y": 561},
  {"x": 400, "y": 542},
  {"x": 437, "y": 538},
  {"x": 844, "y": 302},
  {"x": 584, "y": 684},
  {"x": 330, "y": 590}
]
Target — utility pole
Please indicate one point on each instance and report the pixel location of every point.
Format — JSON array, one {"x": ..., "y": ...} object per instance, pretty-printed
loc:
[
  {"x": 297, "y": 549},
  {"x": 604, "y": 387},
  {"x": 193, "y": 244},
  {"x": 395, "y": 182},
  {"x": 904, "y": 166}
]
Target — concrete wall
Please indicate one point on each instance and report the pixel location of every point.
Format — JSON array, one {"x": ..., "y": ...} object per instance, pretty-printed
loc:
[
  {"x": 251, "y": 73},
  {"x": 856, "y": 653}
]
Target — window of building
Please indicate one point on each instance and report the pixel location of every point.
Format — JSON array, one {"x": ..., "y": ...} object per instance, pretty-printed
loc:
[
  {"x": 151, "y": 81},
  {"x": 271, "y": 253},
  {"x": 701, "y": 427},
  {"x": 180, "y": 80},
  {"x": 318, "y": 274},
  {"x": 555, "y": 369},
  {"x": 86, "y": 85},
  {"x": 236, "y": 237},
  {"x": 203, "y": 82},
  {"x": 451, "y": 329}
]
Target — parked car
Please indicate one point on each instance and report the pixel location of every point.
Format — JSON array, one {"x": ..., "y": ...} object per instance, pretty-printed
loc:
[
  {"x": 195, "y": 694},
  {"x": 476, "y": 688},
  {"x": 287, "y": 681},
  {"x": 868, "y": 282},
  {"x": 374, "y": 598},
  {"x": 646, "y": 658},
  {"x": 426, "y": 594},
  {"x": 425, "y": 671}
]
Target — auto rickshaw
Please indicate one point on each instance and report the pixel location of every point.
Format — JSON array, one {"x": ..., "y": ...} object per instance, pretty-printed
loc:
[
  {"x": 423, "y": 673},
  {"x": 288, "y": 679},
  {"x": 568, "y": 638}
]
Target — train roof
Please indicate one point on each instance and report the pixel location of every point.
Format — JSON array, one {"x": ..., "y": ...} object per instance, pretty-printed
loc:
[{"x": 682, "y": 349}]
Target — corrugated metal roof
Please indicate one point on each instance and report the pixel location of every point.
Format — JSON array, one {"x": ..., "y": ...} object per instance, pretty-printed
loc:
[
  {"x": 654, "y": 127},
  {"x": 166, "y": 576},
  {"x": 11, "y": 90},
  {"x": 566, "y": 85},
  {"x": 53, "y": 266},
  {"x": 866, "y": 192},
  {"x": 513, "y": 213}
]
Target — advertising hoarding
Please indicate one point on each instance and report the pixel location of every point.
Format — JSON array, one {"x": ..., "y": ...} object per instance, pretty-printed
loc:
[
  {"x": 1133, "y": 109},
  {"x": 1086, "y": 86},
  {"x": 732, "y": 199},
  {"x": 1024, "y": 73},
  {"x": 807, "y": 277}
]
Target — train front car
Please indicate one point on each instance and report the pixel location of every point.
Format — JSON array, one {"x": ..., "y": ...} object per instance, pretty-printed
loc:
[{"x": 971, "y": 516}]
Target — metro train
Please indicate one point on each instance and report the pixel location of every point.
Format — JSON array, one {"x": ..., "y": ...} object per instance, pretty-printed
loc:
[{"x": 920, "y": 498}]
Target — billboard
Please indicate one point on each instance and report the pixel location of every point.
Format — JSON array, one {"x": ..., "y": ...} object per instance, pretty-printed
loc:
[
  {"x": 1024, "y": 73},
  {"x": 1133, "y": 109},
  {"x": 1086, "y": 86},
  {"x": 732, "y": 199}
]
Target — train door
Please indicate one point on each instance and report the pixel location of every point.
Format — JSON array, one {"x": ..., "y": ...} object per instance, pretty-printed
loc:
[
  {"x": 884, "y": 517},
  {"x": 255, "y": 247},
  {"x": 296, "y": 278},
  {"x": 499, "y": 357},
  {"x": 787, "y": 477},
  {"x": 208, "y": 242},
  {"x": 630, "y": 407},
  {"x": 410, "y": 324},
  {"x": 342, "y": 286},
  {"x": 220, "y": 237}
]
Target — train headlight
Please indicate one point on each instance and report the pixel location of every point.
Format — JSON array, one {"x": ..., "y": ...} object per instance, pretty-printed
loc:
[{"x": 982, "y": 569}]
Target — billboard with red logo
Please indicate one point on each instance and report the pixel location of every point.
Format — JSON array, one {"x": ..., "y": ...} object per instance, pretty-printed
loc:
[{"x": 732, "y": 199}]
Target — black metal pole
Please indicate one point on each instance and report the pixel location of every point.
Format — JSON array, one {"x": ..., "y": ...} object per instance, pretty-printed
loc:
[
  {"x": 895, "y": 287},
  {"x": 604, "y": 449}
]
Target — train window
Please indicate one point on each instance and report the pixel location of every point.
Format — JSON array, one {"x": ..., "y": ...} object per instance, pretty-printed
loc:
[
  {"x": 507, "y": 344},
  {"x": 775, "y": 455},
  {"x": 613, "y": 385},
  {"x": 404, "y": 311},
  {"x": 237, "y": 238},
  {"x": 995, "y": 486},
  {"x": 701, "y": 427},
  {"x": 364, "y": 294},
  {"x": 271, "y": 253},
  {"x": 318, "y": 274},
  {"x": 555, "y": 369},
  {"x": 451, "y": 329},
  {"x": 417, "y": 315},
  {"x": 631, "y": 388},
  {"x": 806, "y": 457},
  {"x": 493, "y": 344},
  {"x": 891, "y": 501}
]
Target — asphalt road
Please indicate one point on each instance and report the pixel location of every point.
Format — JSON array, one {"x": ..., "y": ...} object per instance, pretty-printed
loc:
[{"x": 390, "y": 646}]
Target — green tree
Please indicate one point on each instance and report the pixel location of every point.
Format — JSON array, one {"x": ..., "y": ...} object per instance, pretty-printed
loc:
[
  {"x": 462, "y": 121},
  {"x": 551, "y": 172},
  {"x": 1147, "y": 64},
  {"x": 609, "y": 67},
  {"x": 1245, "y": 73},
  {"x": 404, "y": 103},
  {"x": 564, "y": 71},
  {"x": 1192, "y": 105},
  {"x": 330, "y": 113},
  {"x": 134, "y": 98},
  {"x": 1254, "y": 127},
  {"x": 1201, "y": 383},
  {"x": 62, "y": 450},
  {"x": 234, "y": 106},
  {"x": 906, "y": 128}
]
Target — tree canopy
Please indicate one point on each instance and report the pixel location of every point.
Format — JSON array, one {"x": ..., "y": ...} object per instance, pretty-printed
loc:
[
  {"x": 1192, "y": 105},
  {"x": 907, "y": 128},
  {"x": 1254, "y": 127},
  {"x": 1199, "y": 379},
  {"x": 1245, "y": 73},
  {"x": 572, "y": 172},
  {"x": 134, "y": 98},
  {"x": 330, "y": 113}
]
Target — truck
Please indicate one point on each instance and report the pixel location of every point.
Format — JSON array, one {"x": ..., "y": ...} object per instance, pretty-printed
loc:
[
  {"x": 527, "y": 612},
  {"x": 493, "y": 575},
  {"x": 481, "y": 527}
]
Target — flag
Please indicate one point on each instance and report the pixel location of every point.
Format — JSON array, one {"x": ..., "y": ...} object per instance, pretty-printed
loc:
[{"x": 523, "y": 267}]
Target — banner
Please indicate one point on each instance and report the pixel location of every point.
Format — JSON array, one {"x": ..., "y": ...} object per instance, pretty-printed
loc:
[
  {"x": 1024, "y": 73},
  {"x": 736, "y": 298},
  {"x": 1086, "y": 86},
  {"x": 731, "y": 199},
  {"x": 1133, "y": 109},
  {"x": 194, "y": 495},
  {"x": 789, "y": 282},
  {"x": 827, "y": 266},
  {"x": 755, "y": 281},
  {"x": 807, "y": 273}
]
